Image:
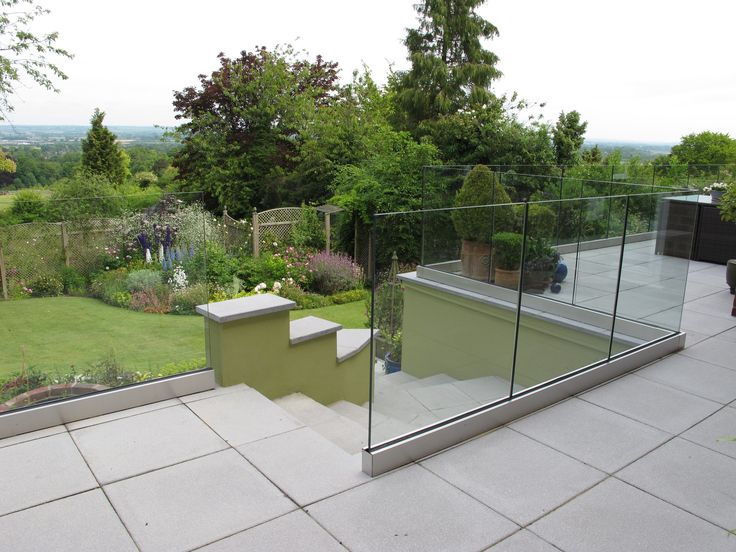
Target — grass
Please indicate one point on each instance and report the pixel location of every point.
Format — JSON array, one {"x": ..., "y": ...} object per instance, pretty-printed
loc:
[
  {"x": 6, "y": 200},
  {"x": 62, "y": 333},
  {"x": 350, "y": 315}
]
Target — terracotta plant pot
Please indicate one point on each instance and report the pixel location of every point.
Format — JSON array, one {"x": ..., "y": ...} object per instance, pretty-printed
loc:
[
  {"x": 476, "y": 260},
  {"x": 507, "y": 278}
]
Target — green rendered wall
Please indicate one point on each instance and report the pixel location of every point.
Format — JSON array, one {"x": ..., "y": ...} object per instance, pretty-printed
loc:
[
  {"x": 256, "y": 351},
  {"x": 463, "y": 338}
]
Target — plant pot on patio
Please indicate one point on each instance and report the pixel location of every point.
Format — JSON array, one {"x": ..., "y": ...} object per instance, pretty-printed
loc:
[
  {"x": 507, "y": 255},
  {"x": 475, "y": 258},
  {"x": 731, "y": 275}
]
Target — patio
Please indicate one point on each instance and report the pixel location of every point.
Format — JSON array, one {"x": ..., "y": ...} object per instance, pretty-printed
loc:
[{"x": 635, "y": 464}]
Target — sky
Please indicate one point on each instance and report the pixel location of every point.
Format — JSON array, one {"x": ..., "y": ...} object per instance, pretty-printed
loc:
[{"x": 648, "y": 71}]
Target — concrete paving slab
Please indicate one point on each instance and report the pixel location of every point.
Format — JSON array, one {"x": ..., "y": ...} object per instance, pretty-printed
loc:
[
  {"x": 81, "y": 523},
  {"x": 134, "y": 445},
  {"x": 39, "y": 471},
  {"x": 716, "y": 432},
  {"x": 714, "y": 351},
  {"x": 593, "y": 435},
  {"x": 243, "y": 416},
  {"x": 410, "y": 510},
  {"x": 523, "y": 541},
  {"x": 321, "y": 469},
  {"x": 32, "y": 436},
  {"x": 290, "y": 532},
  {"x": 513, "y": 474},
  {"x": 708, "y": 491},
  {"x": 197, "y": 502},
  {"x": 122, "y": 414},
  {"x": 652, "y": 403},
  {"x": 615, "y": 516}
]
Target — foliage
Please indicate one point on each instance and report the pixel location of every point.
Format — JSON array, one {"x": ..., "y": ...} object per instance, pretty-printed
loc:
[
  {"x": 705, "y": 148},
  {"x": 145, "y": 179},
  {"x": 21, "y": 382},
  {"x": 156, "y": 300},
  {"x": 211, "y": 264},
  {"x": 111, "y": 287},
  {"x": 184, "y": 301},
  {"x": 101, "y": 153},
  {"x": 568, "y": 136},
  {"x": 29, "y": 206},
  {"x": 542, "y": 221},
  {"x": 540, "y": 255},
  {"x": 481, "y": 187},
  {"x": 25, "y": 53},
  {"x": 450, "y": 69},
  {"x": 308, "y": 233},
  {"x": 334, "y": 272},
  {"x": 84, "y": 195},
  {"x": 388, "y": 310},
  {"x": 142, "y": 280},
  {"x": 74, "y": 283},
  {"x": 727, "y": 205},
  {"x": 507, "y": 250},
  {"x": 239, "y": 139},
  {"x": 46, "y": 286},
  {"x": 268, "y": 268}
]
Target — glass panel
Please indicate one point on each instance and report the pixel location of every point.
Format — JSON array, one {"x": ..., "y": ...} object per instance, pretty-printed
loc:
[
  {"x": 101, "y": 293},
  {"x": 654, "y": 270},
  {"x": 557, "y": 336},
  {"x": 451, "y": 322}
]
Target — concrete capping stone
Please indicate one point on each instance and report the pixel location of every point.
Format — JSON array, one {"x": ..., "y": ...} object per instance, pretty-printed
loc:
[
  {"x": 245, "y": 307},
  {"x": 311, "y": 327},
  {"x": 351, "y": 342}
]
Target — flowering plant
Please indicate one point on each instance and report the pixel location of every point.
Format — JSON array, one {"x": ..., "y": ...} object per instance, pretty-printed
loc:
[{"x": 716, "y": 187}]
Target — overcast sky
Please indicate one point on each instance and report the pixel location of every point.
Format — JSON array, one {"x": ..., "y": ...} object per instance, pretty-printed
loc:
[{"x": 639, "y": 71}]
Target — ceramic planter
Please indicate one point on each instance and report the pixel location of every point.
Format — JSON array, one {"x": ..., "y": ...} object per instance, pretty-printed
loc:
[{"x": 476, "y": 260}]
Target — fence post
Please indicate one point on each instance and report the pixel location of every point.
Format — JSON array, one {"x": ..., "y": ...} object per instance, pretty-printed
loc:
[
  {"x": 256, "y": 236},
  {"x": 327, "y": 232},
  {"x": 3, "y": 279},
  {"x": 65, "y": 244}
]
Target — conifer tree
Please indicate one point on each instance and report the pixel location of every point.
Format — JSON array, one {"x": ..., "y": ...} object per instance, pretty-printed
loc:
[
  {"x": 101, "y": 154},
  {"x": 450, "y": 69}
]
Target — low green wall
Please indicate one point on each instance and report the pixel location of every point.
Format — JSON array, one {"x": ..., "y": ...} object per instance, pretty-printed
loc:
[
  {"x": 444, "y": 333},
  {"x": 256, "y": 351}
]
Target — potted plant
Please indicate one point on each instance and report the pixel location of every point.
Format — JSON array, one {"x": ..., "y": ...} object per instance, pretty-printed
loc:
[
  {"x": 392, "y": 360},
  {"x": 507, "y": 259},
  {"x": 388, "y": 309},
  {"x": 476, "y": 226},
  {"x": 540, "y": 264}
]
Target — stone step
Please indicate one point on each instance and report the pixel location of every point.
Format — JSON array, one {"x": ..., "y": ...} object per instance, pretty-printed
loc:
[
  {"x": 486, "y": 389},
  {"x": 340, "y": 430},
  {"x": 310, "y": 327}
]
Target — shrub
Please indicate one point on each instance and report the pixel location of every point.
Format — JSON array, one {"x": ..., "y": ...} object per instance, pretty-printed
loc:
[
  {"x": 29, "y": 206},
  {"x": 153, "y": 300},
  {"x": 507, "y": 250},
  {"x": 542, "y": 221},
  {"x": 111, "y": 287},
  {"x": 185, "y": 300},
  {"x": 142, "y": 280},
  {"x": 349, "y": 296},
  {"x": 74, "y": 283},
  {"x": 727, "y": 205},
  {"x": 334, "y": 272},
  {"x": 268, "y": 269},
  {"x": 481, "y": 187},
  {"x": 388, "y": 308},
  {"x": 308, "y": 233},
  {"x": 46, "y": 286},
  {"x": 220, "y": 267}
]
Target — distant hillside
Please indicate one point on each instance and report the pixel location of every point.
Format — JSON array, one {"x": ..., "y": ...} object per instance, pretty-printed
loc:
[
  {"x": 645, "y": 151},
  {"x": 45, "y": 134}
]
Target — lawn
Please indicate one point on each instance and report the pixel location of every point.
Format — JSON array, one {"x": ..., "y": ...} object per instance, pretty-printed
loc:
[{"x": 58, "y": 333}]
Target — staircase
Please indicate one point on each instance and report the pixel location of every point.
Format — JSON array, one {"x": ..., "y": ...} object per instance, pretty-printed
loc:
[{"x": 402, "y": 404}]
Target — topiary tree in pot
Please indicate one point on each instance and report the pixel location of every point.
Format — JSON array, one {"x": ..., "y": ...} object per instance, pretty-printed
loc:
[
  {"x": 476, "y": 224},
  {"x": 507, "y": 258}
]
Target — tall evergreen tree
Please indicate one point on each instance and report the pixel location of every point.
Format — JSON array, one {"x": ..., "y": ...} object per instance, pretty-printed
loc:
[
  {"x": 568, "y": 136},
  {"x": 450, "y": 69},
  {"x": 101, "y": 154}
]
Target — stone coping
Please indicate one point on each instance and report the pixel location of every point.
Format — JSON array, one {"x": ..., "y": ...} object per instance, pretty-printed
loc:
[
  {"x": 245, "y": 307},
  {"x": 310, "y": 327},
  {"x": 351, "y": 342}
]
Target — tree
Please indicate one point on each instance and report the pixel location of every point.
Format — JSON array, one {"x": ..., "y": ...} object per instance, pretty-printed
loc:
[
  {"x": 23, "y": 53},
  {"x": 245, "y": 121},
  {"x": 568, "y": 136},
  {"x": 706, "y": 148},
  {"x": 592, "y": 156},
  {"x": 450, "y": 69},
  {"x": 101, "y": 153}
]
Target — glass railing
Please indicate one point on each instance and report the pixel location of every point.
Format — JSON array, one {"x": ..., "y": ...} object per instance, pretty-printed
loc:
[
  {"x": 486, "y": 302},
  {"x": 101, "y": 293}
]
